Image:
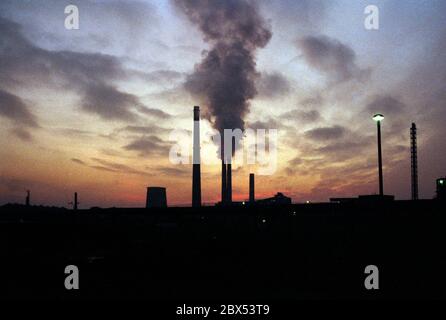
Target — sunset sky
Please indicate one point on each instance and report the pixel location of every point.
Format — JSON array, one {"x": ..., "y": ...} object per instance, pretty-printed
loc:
[{"x": 91, "y": 110}]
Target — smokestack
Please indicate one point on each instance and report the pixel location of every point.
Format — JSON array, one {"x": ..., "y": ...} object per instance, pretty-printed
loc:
[
  {"x": 229, "y": 171},
  {"x": 196, "y": 174},
  {"x": 75, "y": 203},
  {"x": 229, "y": 183},
  {"x": 223, "y": 180},
  {"x": 251, "y": 188},
  {"x": 414, "y": 161},
  {"x": 27, "y": 201},
  {"x": 224, "y": 177}
]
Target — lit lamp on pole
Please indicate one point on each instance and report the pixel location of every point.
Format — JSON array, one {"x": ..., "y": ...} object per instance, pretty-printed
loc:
[{"x": 378, "y": 118}]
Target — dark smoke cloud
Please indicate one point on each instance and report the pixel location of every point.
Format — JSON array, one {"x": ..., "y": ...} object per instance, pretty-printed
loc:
[{"x": 226, "y": 76}]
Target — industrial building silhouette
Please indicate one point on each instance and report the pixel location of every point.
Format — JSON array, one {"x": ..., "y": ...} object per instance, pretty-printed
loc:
[{"x": 159, "y": 196}]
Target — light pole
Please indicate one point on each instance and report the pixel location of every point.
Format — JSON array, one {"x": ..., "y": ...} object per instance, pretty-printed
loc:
[{"x": 378, "y": 118}]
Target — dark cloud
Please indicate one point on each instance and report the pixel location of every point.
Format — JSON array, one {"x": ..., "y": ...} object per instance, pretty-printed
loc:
[
  {"x": 152, "y": 129},
  {"x": 301, "y": 115},
  {"x": 23, "y": 62},
  {"x": 314, "y": 101},
  {"x": 174, "y": 95},
  {"x": 267, "y": 124},
  {"x": 293, "y": 17},
  {"x": 160, "y": 76},
  {"x": 225, "y": 78},
  {"x": 151, "y": 145},
  {"x": 132, "y": 131},
  {"x": 102, "y": 168},
  {"x": 22, "y": 134},
  {"x": 74, "y": 133},
  {"x": 331, "y": 57},
  {"x": 295, "y": 161},
  {"x": 137, "y": 20},
  {"x": 386, "y": 105},
  {"x": 326, "y": 133},
  {"x": 157, "y": 113},
  {"x": 136, "y": 15},
  {"x": 109, "y": 166},
  {"x": 78, "y": 161},
  {"x": 89, "y": 74},
  {"x": 109, "y": 102},
  {"x": 13, "y": 108},
  {"x": 347, "y": 148},
  {"x": 118, "y": 167},
  {"x": 170, "y": 171},
  {"x": 397, "y": 115},
  {"x": 273, "y": 85}
]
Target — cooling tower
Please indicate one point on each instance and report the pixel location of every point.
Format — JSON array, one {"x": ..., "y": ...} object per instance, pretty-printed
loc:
[{"x": 156, "y": 197}]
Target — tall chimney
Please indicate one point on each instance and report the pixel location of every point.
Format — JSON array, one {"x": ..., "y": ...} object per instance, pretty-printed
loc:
[
  {"x": 223, "y": 181},
  {"x": 414, "y": 161},
  {"x": 251, "y": 188},
  {"x": 229, "y": 183},
  {"x": 223, "y": 170},
  {"x": 75, "y": 203},
  {"x": 27, "y": 201},
  {"x": 226, "y": 173},
  {"x": 229, "y": 171},
  {"x": 196, "y": 174}
]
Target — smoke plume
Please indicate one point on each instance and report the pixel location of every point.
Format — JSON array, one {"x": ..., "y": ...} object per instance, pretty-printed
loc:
[{"x": 225, "y": 78}]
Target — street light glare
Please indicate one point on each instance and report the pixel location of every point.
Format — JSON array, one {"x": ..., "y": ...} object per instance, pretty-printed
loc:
[{"x": 378, "y": 117}]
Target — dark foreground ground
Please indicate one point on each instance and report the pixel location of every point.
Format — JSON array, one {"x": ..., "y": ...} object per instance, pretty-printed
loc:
[{"x": 315, "y": 251}]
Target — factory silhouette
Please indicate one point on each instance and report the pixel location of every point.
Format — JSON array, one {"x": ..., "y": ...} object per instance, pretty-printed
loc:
[
  {"x": 156, "y": 196},
  {"x": 257, "y": 250}
]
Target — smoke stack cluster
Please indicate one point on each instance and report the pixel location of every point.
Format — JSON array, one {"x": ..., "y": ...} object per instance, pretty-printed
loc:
[
  {"x": 225, "y": 78},
  {"x": 226, "y": 183}
]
